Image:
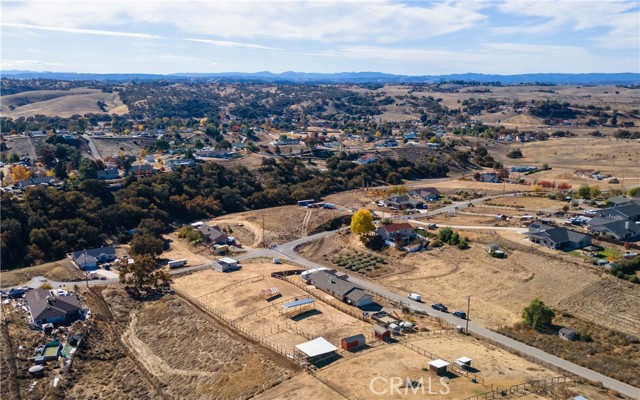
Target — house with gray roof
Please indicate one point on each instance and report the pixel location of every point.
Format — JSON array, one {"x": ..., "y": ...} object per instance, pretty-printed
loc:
[
  {"x": 212, "y": 234},
  {"x": 46, "y": 307},
  {"x": 337, "y": 285},
  {"x": 621, "y": 222},
  {"x": 625, "y": 231},
  {"x": 88, "y": 260},
  {"x": 558, "y": 238}
]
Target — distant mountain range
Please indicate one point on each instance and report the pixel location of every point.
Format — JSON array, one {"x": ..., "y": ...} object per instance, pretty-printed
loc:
[{"x": 347, "y": 77}]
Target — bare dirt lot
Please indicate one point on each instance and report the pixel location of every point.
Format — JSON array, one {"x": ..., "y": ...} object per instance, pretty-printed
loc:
[
  {"x": 281, "y": 224},
  {"x": 61, "y": 270},
  {"x": 20, "y": 145},
  {"x": 62, "y": 103},
  {"x": 617, "y": 157},
  {"x": 112, "y": 146}
]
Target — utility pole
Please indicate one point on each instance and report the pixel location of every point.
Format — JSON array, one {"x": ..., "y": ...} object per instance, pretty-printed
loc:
[
  {"x": 263, "y": 241},
  {"x": 468, "y": 311}
]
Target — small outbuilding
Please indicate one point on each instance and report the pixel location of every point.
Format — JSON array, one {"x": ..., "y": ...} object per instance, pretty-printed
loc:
[
  {"x": 353, "y": 343},
  {"x": 225, "y": 264},
  {"x": 439, "y": 366},
  {"x": 464, "y": 362},
  {"x": 317, "y": 351},
  {"x": 568, "y": 334},
  {"x": 299, "y": 306},
  {"x": 381, "y": 333}
]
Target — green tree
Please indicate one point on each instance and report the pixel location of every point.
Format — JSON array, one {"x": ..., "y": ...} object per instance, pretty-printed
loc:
[
  {"x": 584, "y": 192},
  {"x": 537, "y": 315},
  {"x": 140, "y": 273},
  {"x": 634, "y": 192},
  {"x": 455, "y": 239},
  {"x": 146, "y": 244},
  {"x": 445, "y": 234},
  {"x": 88, "y": 169},
  {"x": 594, "y": 192},
  {"x": 362, "y": 222}
]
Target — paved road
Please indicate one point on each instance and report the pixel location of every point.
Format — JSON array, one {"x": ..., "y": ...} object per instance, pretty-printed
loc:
[
  {"x": 287, "y": 251},
  {"x": 94, "y": 150}
]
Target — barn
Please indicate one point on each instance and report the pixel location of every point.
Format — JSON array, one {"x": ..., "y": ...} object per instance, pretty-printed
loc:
[
  {"x": 353, "y": 343},
  {"x": 381, "y": 333}
]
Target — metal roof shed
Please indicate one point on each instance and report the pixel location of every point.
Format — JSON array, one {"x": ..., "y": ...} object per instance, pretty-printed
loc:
[
  {"x": 299, "y": 306},
  {"x": 439, "y": 366},
  {"x": 316, "y": 347}
]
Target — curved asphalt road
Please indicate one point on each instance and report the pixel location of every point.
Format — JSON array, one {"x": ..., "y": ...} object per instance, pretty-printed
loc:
[{"x": 288, "y": 251}]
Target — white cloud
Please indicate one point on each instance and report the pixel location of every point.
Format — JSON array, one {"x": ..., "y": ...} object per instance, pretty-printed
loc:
[
  {"x": 490, "y": 58},
  {"x": 325, "y": 21},
  {"x": 223, "y": 43},
  {"x": 26, "y": 64},
  {"x": 618, "y": 17},
  {"x": 82, "y": 31}
]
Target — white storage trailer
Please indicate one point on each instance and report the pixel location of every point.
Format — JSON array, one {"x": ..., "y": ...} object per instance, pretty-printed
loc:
[{"x": 177, "y": 263}]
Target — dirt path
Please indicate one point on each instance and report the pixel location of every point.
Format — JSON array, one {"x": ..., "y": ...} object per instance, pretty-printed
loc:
[
  {"x": 154, "y": 364},
  {"x": 305, "y": 223}
]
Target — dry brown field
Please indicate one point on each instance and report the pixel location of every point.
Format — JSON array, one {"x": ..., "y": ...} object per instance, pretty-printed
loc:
[
  {"x": 62, "y": 103},
  {"x": 281, "y": 224},
  {"x": 112, "y": 146},
  {"x": 500, "y": 288},
  {"x": 20, "y": 145},
  {"x": 61, "y": 270}
]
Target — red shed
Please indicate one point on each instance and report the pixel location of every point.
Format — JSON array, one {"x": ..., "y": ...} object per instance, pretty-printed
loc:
[
  {"x": 381, "y": 332},
  {"x": 352, "y": 343}
]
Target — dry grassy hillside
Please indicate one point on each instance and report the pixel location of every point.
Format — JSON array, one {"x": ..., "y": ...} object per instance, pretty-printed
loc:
[{"x": 62, "y": 103}]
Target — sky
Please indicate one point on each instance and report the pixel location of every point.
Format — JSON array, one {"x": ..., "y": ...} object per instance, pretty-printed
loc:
[{"x": 398, "y": 37}]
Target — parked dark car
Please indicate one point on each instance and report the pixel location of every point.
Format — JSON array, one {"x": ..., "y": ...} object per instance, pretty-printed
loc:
[
  {"x": 439, "y": 307},
  {"x": 460, "y": 314}
]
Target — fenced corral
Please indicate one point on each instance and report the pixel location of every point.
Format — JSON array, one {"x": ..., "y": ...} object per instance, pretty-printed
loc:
[
  {"x": 247, "y": 333},
  {"x": 337, "y": 304},
  {"x": 232, "y": 286},
  {"x": 264, "y": 310},
  {"x": 453, "y": 367},
  {"x": 532, "y": 386}
]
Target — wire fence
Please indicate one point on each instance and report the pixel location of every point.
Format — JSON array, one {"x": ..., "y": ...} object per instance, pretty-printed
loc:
[{"x": 232, "y": 285}]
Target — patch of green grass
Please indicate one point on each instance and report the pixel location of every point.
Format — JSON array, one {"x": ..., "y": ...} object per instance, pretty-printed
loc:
[{"x": 610, "y": 254}]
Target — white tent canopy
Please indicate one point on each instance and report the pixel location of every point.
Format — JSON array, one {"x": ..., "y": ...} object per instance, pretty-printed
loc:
[{"x": 316, "y": 347}]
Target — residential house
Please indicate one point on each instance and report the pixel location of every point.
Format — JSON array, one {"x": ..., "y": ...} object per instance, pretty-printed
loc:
[
  {"x": 623, "y": 230},
  {"x": 426, "y": 194},
  {"x": 398, "y": 202},
  {"x": 585, "y": 173},
  {"x": 215, "y": 154},
  {"x": 141, "y": 169},
  {"x": 366, "y": 159},
  {"x": 36, "y": 181},
  {"x": 331, "y": 282},
  {"x": 109, "y": 173},
  {"x": 46, "y": 307},
  {"x": 618, "y": 201},
  {"x": 88, "y": 260},
  {"x": 490, "y": 177},
  {"x": 411, "y": 135},
  {"x": 522, "y": 168},
  {"x": 558, "y": 238},
  {"x": 392, "y": 231},
  {"x": 285, "y": 142},
  {"x": 212, "y": 234},
  {"x": 180, "y": 163},
  {"x": 621, "y": 222}
]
